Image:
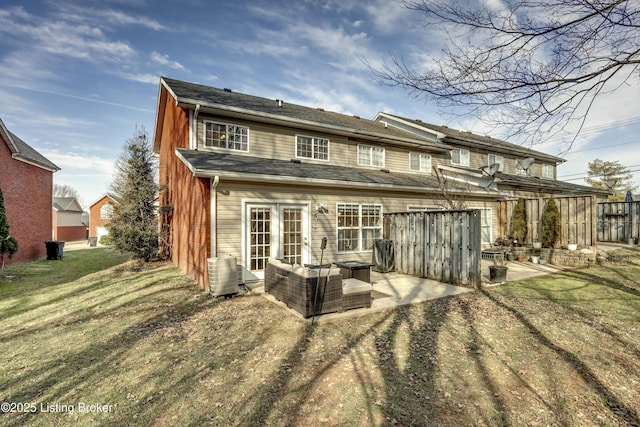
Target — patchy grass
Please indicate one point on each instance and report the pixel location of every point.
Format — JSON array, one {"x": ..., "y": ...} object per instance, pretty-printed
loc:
[{"x": 556, "y": 350}]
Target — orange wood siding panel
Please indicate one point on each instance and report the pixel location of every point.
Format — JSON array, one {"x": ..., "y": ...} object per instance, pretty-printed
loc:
[{"x": 187, "y": 224}]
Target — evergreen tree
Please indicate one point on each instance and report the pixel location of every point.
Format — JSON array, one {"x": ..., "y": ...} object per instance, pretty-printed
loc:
[
  {"x": 550, "y": 228},
  {"x": 8, "y": 243},
  {"x": 519, "y": 222},
  {"x": 613, "y": 176},
  {"x": 134, "y": 226}
]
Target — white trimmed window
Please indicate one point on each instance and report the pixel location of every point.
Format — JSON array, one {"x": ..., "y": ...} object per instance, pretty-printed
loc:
[
  {"x": 547, "y": 171},
  {"x": 224, "y": 135},
  {"x": 358, "y": 226},
  {"x": 460, "y": 156},
  {"x": 310, "y": 147},
  {"x": 370, "y": 155},
  {"x": 495, "y": 158},
  {"x": 420, "y": 162}
]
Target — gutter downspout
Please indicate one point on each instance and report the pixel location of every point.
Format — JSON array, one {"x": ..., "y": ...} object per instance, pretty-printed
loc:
[
  {"x": 214, "y": 220},
  {"x": 193, "y": 141}
]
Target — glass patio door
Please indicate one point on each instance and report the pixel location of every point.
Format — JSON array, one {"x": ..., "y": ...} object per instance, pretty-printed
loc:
[{"x": 278, "y": 230}]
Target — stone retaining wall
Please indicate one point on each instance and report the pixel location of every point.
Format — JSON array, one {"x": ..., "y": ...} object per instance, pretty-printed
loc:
[{"x": 562, "y": 257}]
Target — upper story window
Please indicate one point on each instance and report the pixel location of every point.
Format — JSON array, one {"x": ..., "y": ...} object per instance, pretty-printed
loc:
[
  {"x": 223, "y": 135},
  {"x": 495, "y": 158},
  {"x": 460, "y": 156},
  {"x": 420, "y": 162},
  {"x": 547, "y": 171},
  {"x": 106, "y": 211},
  {"x": 370, "y": 155},
  {"x": 312, "y": 147}
]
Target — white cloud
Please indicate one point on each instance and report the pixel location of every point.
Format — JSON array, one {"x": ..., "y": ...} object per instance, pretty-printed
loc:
[
  {"x": 164, "y": 60},
  {"x": 77, "y": 163},
  {"x": 153, "y": 79},
  {"x": 59, "y": 37}
]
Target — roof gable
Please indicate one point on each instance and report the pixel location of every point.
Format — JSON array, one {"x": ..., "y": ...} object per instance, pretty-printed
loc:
[
  {"x": 456, "y": 137},
  {"x": 23, "y": 152},
  {"x": 103, "y": 199},
  {"x": 66, "y": 204}
]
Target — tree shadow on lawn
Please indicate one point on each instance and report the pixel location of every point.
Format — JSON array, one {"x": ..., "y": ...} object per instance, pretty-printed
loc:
[
  {"x": 587, "y": 317},
  {"x": 90, "y": 312},
  {"x": 64, "y": 374},
  {"x": 278, "y": 389},
  {"x": 618, "y": 409}
]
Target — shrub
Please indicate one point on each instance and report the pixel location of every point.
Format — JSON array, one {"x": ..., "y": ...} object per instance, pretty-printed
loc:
[
  {"x": 519, "y": 222},
  {"x": 550, "y": 227}
]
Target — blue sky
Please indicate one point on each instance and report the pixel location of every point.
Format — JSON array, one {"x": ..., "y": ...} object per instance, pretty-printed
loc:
[{"x": 78, "y": 77}]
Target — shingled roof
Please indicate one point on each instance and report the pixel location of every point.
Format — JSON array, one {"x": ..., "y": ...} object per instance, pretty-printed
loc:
[
  {"x": 20, "y": 150},
  {"x": 259, "y": 109},
  {"x": 241, "y": 167},
  {"x": 474, "y": 140}
]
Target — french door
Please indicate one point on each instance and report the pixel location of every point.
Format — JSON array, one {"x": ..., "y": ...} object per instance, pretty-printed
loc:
[{"x": 278, "y": 230}]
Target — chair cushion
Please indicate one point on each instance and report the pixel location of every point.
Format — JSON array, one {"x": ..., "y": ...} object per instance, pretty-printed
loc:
[{"x": 355, "y": 286}]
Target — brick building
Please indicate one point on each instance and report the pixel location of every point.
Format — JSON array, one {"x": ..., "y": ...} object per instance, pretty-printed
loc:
[
  {"x": 26, "y": 180},
  {"x": 100, "y": 213}
]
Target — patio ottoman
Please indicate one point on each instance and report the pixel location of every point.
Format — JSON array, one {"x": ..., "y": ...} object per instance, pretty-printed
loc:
[{"x": 355, "y": 294}]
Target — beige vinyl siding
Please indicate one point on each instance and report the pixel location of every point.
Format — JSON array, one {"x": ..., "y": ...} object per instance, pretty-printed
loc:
[
  {"x": 277, "y": 142},
  {"x": 232, "y": 195}
]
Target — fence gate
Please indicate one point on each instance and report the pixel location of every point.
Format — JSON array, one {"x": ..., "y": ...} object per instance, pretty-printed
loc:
[
  {"x": 440, "y": 245},
  {"x": 618, "y": 221}
]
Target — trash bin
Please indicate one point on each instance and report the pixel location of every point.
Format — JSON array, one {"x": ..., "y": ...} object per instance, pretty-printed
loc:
[
  {"x": 54, "y": 249},
  {"x": 93, "y": 241}
]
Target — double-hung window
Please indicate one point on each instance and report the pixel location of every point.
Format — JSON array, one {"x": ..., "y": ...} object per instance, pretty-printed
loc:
[
  {"x": 312, "y": 148},
  {"x": 547, "y": 171},
  {"x": 370, "y": 155},
  {"x": 420, "y": 162},
  {"x": 460, "y": 156},
  {"x": 495, "y": 158},
  {"x": 359, "y": 225},
  {"x": 224, "y": 135}
]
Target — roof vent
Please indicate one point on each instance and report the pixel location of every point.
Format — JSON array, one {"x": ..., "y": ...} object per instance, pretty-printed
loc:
[
  {"x": 226, "y": 89},
  {"x": 296, "y": 161},
  {"x": 356, "y": 117},
  {"x": 279, "y": 101},
  {"x": 418, "y": 120},
  {"x": 385, "y": 170},
  {"x": 320, "y": 109}
]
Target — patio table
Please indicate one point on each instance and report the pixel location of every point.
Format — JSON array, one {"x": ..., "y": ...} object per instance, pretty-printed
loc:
[{"x": 356, "y": 270}]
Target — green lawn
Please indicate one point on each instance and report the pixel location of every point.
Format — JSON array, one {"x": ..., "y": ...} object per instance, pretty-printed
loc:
[{"x": 143, "y": 346}]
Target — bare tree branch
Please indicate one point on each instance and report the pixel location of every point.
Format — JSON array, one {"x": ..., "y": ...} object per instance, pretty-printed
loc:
[{"x": 527, "y": 66}]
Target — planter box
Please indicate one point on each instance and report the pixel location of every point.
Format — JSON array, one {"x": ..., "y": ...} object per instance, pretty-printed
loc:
[{"x": 498, "y": 273}]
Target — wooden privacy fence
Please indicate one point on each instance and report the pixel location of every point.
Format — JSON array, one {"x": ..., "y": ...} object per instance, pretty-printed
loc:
[
  {"x": 618, "y": 221},
  {"x": 578, "y": 219},
  {"x": 442, "y": 245}
]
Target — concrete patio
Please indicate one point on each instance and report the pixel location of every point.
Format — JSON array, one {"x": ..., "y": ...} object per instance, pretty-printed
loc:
[{"x": 393, "y": 289}]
